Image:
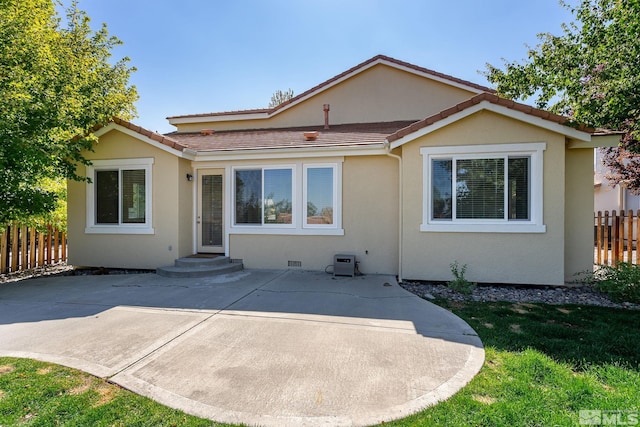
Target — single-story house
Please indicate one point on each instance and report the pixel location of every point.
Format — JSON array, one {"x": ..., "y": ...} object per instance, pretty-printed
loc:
[{"x": 403, "y": 167}]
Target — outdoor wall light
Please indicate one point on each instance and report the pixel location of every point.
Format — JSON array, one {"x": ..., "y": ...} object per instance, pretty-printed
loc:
[{"x": 189, "y": 177}]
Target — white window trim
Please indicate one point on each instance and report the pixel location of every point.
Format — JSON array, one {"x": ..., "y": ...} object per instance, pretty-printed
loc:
[
  {"x": 299, "y": 203},
  {"x": 534, "y": 151},
  {"x": 120, "y": 164},
  {"x": 336, "y": 210},
  {"x": 235, "y": 225}
]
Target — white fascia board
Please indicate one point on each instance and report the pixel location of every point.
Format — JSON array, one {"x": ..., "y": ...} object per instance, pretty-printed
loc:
[
  {"x": 272, "y": 154},
  {"x": 431, "y": 77},
  {"x": 437, "y": 125},
  {"x": 217, "y": 118},
  {"x": 498, "y": 109},
  {"x": 186, "y": 153},
  {"x": 612, "y": 140},
  {"x": 538, "y": 121}
]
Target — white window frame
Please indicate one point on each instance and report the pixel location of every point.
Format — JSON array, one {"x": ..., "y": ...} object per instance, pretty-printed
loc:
[
  {"x": 336, "y": 209},
  {"x": 534, "y": 151},
  {"x": 298, "y": 227},
  {"x": 262, "y": 169},
  {"x": 92, "y": 227}
]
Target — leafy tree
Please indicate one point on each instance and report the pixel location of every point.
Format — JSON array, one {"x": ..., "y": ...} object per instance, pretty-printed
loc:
[
  {"x": 56, "y": 85},
  {"x": 279, "y": 97},
  {"x": 590, "y": 73}
]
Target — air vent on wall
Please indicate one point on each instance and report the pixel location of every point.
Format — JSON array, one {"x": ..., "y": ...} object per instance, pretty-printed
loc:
[{"x": 294, "y": 263}]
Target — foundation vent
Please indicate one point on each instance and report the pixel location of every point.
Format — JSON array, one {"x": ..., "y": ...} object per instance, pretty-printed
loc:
[
  {"x": 236, "y": 260},
  {"x": 294, "y": 263}
]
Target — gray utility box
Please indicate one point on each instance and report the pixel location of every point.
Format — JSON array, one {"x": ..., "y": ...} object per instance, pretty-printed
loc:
[{"x": 344, "y": 265}]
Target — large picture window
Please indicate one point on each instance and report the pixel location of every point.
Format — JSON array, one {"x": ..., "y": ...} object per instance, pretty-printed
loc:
[
  {"x": 483, "y": 188},
  {"x": 263, "y": 196},
  {"x": 119, "y": 195},
  {"x": 298, "y": 198}
]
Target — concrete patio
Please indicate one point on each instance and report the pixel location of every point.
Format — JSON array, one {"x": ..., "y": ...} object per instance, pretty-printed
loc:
[{"x": 254, "y": 347}]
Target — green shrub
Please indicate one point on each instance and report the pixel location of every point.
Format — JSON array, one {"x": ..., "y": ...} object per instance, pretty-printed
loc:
[
  {"x": 460, "y": 283},
  {"x": 621, "y": 282}
]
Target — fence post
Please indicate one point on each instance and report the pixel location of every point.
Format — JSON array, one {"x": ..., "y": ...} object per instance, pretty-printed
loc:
[
  {"x": 621, "y": 238},
  {"x": 63, "y": 239},
  {"x": 24, "y": 247},
  {"x": 49, "y": 239},
  {"x": 615, "y": 219},
  {"x": 630, "y": 237},
  {"x": 599, "y": 238},
  {"x": 637, "y": 235},
  {"x": 40, "y": 260},
  {"x": 606, "y": 238},
  {"x": 15, "y": 250},
  {"x": 4, "y": 249},
  {"x": 32, "y": 247},
  {"x": 56, "y": 245}
]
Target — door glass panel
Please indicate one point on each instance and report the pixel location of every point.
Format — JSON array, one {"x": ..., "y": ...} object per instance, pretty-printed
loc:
[{"x": 212, "y": 210}]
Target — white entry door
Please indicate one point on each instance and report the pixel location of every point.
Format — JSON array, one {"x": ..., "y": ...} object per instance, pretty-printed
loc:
[{"x": 210, "y": 218}]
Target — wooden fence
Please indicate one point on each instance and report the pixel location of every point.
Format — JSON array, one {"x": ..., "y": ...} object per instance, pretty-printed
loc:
[
  {"x": 23, "y": 248},
  {"x": 616, "y": 237}
]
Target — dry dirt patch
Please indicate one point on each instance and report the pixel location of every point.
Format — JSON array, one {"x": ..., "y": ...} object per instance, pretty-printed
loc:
[{"x": 5, "y": 369}]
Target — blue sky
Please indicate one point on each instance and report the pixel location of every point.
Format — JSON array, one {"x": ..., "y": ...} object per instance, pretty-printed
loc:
[{"x": 198, "y": 56}]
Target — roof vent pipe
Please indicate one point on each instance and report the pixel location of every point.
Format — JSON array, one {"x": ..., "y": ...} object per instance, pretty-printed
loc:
[{"x": 325, "y": 107}]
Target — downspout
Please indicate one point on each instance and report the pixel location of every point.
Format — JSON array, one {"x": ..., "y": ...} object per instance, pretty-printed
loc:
[{"x": 387, "y": 147}]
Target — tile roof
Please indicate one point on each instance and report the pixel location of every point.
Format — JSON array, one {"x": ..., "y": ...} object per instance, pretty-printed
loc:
[
  {"x": 348, "y": 135},
  {"x": 162, "y": 139},
  {"x": 494, "y": 99},
  {"x": 364, "y": 64}
]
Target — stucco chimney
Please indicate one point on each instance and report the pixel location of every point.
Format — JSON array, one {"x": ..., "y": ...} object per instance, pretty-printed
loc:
[{"x": 325, "y": 107}]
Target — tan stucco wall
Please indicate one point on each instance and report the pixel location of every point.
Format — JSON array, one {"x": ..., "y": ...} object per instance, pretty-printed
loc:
[
  {"x": 380, "y": 94},
  {"x": 185, "y": 208},
  {"x": 579, "y": 205},
  {"x": 134, "y": 251},
  {"x": 535, "y": 258},
  {"x": 369, "y": 218}
]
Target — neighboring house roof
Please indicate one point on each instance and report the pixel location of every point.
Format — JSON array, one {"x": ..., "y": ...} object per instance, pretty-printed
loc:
[{"x": 379, "y": 59}]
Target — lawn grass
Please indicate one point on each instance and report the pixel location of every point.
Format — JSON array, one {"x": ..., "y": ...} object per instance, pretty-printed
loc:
[
  {"x": 543, "y": 365},
  {"x": 35, "y": 393}
]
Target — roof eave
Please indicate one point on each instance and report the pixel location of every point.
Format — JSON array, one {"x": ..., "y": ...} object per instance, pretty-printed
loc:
[
  {"x": 597, "y": 141},
  {"x": 290, "y": 153},
  {"x": 176, "y": 149},
  {"x": 553, "y": 126},
  {"x": 177, "y": 120},
  {"x": 328, "y": 84}
]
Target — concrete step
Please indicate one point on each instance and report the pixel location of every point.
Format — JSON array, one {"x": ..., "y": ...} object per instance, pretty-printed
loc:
[
  {"x": 199, "y": 267},
  {"x": 201, "y": 262}
]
